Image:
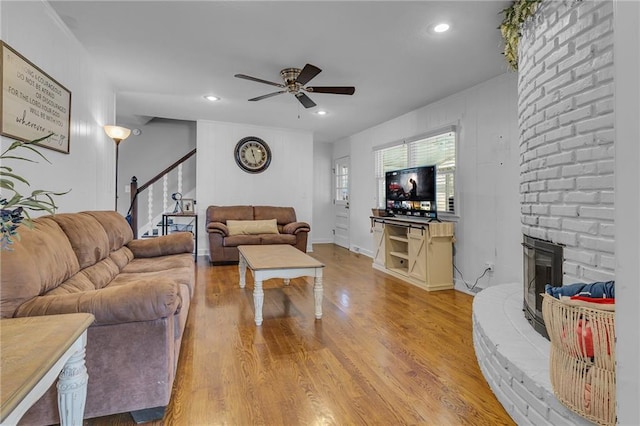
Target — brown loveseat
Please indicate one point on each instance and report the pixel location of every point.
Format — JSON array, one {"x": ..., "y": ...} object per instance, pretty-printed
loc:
[
  {"x": 138, "y": 290},
  {"x": 223, "y": 244}
]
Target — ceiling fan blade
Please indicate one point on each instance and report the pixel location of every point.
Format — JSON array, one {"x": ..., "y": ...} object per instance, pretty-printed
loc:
[
  {"x": 336, "y": 90},
  {"x": 305, "y": 100},
  {"x": 259, "y": 80},
  {"x": 308, "y": 72},
  {"x": 259, "y": 98}
]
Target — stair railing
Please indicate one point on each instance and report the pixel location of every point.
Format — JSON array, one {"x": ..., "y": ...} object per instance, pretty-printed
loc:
[{"x": 135, "y": 191}]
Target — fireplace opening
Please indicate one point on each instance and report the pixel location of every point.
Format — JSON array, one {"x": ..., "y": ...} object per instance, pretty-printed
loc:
[{"x": 542, "y": 265}]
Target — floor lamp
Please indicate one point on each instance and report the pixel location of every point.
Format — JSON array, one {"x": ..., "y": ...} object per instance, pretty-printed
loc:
[{"x": 118, "y": 134}]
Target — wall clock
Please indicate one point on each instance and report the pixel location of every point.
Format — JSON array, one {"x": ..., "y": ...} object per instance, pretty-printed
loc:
[{"x": 252, "y": 154}]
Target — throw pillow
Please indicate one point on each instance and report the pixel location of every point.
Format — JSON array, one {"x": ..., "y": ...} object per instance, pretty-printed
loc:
[{"x": 252, "y": 227}]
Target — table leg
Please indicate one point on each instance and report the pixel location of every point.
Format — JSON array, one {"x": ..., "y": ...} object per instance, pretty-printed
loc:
[
  {"x": 258, "y": 300},
  {"x": 72, "y": 390},
  {"x": 317, "y": 294},
  {"x": 242, "y": 267}
]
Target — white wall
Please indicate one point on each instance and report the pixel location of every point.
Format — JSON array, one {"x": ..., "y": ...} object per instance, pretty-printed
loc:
[
  {"x": 322, "y": 193},
  {"x": 35, "y": 31},
  {"x": 627, "y": 202},
  {"x": 487, "y": 195},
  {"x": 289, "y": 180}
]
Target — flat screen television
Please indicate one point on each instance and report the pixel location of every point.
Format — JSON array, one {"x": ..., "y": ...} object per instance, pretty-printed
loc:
[{"x": 412, "y": 192}]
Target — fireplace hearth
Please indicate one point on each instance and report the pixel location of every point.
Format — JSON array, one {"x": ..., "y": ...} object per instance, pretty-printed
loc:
[{"x": 542, "y": 265}]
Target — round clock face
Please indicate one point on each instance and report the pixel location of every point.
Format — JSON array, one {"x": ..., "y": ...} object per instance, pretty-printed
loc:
[{"x": 253, "y": 154}]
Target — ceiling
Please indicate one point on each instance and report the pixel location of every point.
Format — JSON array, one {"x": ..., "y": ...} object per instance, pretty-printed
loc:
[{"x": 164, "y": 56}]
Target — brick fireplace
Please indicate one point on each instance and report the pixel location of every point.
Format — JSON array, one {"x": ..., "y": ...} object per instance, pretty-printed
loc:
[
  {"x": 565, "y": 105},
  {"x": 566, "y": 121}
]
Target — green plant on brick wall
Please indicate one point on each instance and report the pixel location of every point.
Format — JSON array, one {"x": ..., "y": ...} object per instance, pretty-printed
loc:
[{"x": 511, "y": 28}]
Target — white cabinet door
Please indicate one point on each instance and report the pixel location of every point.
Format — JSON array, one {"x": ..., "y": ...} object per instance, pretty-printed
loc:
[
  {"x": 417, "y": 253},
  {"x": 379, "y": 251}
]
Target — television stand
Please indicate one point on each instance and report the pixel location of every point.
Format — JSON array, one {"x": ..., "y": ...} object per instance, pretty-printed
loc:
[{"x": 417, "y": 251}]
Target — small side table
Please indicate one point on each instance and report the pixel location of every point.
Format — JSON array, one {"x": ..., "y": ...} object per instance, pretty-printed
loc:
[
  {"x": 165, "y": 227},
  {"x": 34, "y": 352}
]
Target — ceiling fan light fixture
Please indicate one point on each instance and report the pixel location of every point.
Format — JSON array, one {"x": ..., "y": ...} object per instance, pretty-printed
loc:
[
  {"x": 294, "y": 80},
  {"x": 441, "y": 27},
  {"x": 211, "y": 98}
]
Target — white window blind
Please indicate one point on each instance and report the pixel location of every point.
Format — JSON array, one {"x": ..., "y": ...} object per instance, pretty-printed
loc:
[
  {"x": 438, "y": 150},
  {"x": 388, "y": 159}
]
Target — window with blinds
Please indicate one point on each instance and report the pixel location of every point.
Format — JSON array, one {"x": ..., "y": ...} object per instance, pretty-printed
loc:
[{"x": 438, "y": 150}]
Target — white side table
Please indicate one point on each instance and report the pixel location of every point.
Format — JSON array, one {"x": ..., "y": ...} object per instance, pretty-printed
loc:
[{"x": 34, "y": 351}]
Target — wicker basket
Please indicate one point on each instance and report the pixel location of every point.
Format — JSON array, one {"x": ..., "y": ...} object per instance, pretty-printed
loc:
[{"x": 582, "y": 360}]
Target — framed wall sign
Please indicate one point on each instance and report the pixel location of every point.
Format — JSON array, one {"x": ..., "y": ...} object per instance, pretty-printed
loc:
[{"x": 32, "y": 104}]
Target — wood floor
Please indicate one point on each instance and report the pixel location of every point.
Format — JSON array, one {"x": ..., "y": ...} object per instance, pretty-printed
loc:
[{"x": 384, "y": 353}]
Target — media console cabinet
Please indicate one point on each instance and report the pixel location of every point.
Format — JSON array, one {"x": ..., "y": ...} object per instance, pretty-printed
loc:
[{"x": 416, "y": 251}]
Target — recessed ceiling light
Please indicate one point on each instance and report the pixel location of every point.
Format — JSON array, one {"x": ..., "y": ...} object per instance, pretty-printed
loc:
[
  {"x": 212, "y": 98},
  {"x": 321, "y": 112},
  {"x": 440, "y": 28}
]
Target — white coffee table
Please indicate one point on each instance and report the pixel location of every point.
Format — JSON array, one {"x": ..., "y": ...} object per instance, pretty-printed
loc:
[{"x": 278, "y": 261}]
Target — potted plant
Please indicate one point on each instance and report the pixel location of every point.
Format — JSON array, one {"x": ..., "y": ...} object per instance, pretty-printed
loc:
[
  {"x": 15, "y": 207},
  {"x": 511, "y": 28}
]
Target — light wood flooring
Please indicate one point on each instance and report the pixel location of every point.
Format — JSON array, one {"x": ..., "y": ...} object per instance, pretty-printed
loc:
[{"x": 384, "y": 353}]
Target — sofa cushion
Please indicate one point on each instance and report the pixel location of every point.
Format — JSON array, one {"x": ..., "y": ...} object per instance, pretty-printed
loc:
[
  {"x": 224, "y": 213},
  {"x": 41, "y": 260},
  {"x": 239, "y": 240},
  {"x": 161, "y": 263},
  {"x": 87, "y": 236},
  {"x": 115, "y": 225},
  {"x": 177, "y": 243},
  {"x": 102, "y": 273},
  {"x": 121, "y": 257},
  {"x": 283, "y": 215},
  {"x": 143, "y": 300},
  {"x": 78, "y": 282},
  {"x": 179, "y": 275},
  {"x": 277, "y": 239},
  {"x": 252, "y": 227}
]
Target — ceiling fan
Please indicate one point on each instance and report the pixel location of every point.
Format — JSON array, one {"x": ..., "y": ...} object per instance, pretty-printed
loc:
[{"x": 294, "y": 83}]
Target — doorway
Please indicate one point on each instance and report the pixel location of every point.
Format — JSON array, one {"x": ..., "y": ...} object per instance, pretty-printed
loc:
[{"x": 341, "y": 202}]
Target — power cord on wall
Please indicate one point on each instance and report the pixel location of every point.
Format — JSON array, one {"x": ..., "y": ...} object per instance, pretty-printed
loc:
[{"x": 477, "y": 279}]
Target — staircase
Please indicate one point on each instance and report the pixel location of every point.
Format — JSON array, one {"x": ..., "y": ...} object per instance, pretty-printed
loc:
[{"x": 150, "y": 200}]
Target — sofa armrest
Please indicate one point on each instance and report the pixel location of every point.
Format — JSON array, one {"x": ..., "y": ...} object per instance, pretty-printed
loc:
[
  {"x": 295, "y": 227},
  {"x": 218, "y": 227},
  {"x": 177, "y": 243},
  {"x": 140, "y": 301}
]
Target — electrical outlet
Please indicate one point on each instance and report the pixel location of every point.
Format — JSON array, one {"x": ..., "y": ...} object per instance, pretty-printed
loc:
[{"x": 489, "y": 265}]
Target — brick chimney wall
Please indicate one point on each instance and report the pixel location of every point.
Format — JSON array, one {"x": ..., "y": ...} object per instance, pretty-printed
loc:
[{"x": 565, "y": 110}]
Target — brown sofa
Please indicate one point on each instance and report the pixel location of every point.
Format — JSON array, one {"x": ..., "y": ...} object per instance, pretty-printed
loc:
[
  {"x": 223, "y": 247},
  {"x": 138, "y": 290}
]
